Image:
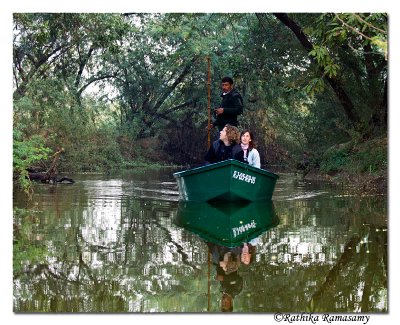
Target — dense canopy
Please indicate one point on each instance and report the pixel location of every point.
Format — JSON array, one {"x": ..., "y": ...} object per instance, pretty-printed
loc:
[{"x": 118, "y": 89}]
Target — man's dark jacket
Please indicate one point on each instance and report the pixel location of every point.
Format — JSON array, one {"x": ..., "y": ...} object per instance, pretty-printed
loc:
[{"x": 232, "y": 103}]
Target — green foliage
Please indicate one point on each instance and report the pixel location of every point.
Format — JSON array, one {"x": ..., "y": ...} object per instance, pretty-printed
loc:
[
  {"x": 84, "y": 129},
  {"x": 334, "y": 159},
  {"x": 63, "y": 45},
  {"x": 350, "y": 49},
  {"x": 322, "y": 56},
  {"x": 97, "y": 151},
  {"x": 370, "y": 157},
  {"x": 355, "y": 29},
  {"x": 316, "y": 85},
  {"x": 27, "y": 251},
  {"x": 26, "y": 153},
  {"x": 356, "y": 157},
  {"x": 86, "y": 81}
]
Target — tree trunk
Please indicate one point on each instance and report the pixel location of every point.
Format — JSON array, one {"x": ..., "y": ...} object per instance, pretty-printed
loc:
[{"x": 338, "y": 89}]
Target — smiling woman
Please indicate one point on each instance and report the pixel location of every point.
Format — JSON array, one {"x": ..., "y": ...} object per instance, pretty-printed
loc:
[{"x": 251, "y": 155}]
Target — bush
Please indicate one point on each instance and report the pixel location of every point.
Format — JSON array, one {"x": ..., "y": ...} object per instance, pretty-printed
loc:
[
  {"x": 356, "y": 158},
  {"x": 335, "y": 158},
  {"x": 370, "y": 157},
  {"x": 26, "y": 153},
  {"x": 97, "y": 151}
]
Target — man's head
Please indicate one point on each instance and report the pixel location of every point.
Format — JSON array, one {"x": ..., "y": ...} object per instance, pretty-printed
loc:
[
  {"x": 227, "y": 84},
  {"x": 226, "y": 303},
  {"x": 230, "y": 133}
]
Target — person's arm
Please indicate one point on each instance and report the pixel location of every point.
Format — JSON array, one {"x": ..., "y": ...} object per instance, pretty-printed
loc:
[
  {"x": 238, "y": 153},
  {"x": 256, "y": 162},
  {"x": 210, "y": 156},
  {"x": 237, "y": 105}
]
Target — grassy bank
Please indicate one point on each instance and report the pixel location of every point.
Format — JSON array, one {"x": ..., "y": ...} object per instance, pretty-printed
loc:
[{"x": 362, "y": 166}]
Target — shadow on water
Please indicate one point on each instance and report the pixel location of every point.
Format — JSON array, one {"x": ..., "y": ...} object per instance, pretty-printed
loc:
[{"x": 123, "y": 243}]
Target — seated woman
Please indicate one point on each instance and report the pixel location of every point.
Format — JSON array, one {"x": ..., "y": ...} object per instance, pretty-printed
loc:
[
  {"x": 227, "y": 147},
  {"x": 251, "y": 155}
]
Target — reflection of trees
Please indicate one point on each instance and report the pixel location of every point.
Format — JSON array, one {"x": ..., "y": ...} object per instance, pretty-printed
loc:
[
  {"x": 358, "y": 280},
  {"x": 81, "y": 272},
  {"x": 364, "y": 262},
  {"x": 326, "y": 255},
  {"x": 183, "y": 256},
  {"x": 323, "y": 261}
]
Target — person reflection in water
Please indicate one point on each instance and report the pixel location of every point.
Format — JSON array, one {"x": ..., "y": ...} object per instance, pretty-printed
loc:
[
  {"x": 248, "y": 253},
  {"x": 227, "y": 262}
]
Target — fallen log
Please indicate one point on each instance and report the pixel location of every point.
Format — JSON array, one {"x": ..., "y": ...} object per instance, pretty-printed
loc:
[
  {"x": 45, "y": 178},
  {"x": 62, "y": 179},
  {"x": 51, "y": 174},
  {"x": 39, "y": 176}
]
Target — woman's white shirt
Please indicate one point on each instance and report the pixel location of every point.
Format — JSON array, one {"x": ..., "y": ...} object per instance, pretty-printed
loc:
[{"x": 254, "y": 158}]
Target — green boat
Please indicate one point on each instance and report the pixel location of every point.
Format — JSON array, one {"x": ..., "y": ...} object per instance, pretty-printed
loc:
[
  {"x": 227, "y": 223},
  {"x": 228, "y": 180}
]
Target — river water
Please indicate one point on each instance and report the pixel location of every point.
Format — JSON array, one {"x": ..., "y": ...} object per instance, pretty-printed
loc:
[{"x": 117, "y": 243}]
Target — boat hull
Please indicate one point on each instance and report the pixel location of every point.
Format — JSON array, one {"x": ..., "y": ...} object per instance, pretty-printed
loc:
[{"x": 228, "y": 180}]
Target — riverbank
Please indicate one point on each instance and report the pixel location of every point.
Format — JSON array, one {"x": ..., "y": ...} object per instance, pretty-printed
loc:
[
  {"x": 360, "y": 166},
  {"x": 361, "y": 184}
]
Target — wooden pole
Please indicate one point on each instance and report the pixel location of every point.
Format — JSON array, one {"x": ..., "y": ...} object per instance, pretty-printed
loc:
[
  {"x": 209, "y": 280},
  {"x": 209, "y": 101}
]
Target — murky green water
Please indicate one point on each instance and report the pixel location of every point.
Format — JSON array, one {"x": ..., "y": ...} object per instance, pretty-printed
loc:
[{"x": 117, "y": 244}]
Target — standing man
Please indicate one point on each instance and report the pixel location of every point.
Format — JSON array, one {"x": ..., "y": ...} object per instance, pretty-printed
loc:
[{"x": 231, "y": 105}]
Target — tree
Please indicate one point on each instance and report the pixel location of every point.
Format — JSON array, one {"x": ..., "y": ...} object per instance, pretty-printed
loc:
[
  {"x": 67, "y": 46},
  {"x": 85, "y": 77},
  {"x": 337, "y": 45}
]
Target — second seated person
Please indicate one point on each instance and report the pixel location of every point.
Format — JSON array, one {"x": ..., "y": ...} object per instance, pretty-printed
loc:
[
  {"x": 227, "y": 147},
  {"x": 251, "y": 155}
]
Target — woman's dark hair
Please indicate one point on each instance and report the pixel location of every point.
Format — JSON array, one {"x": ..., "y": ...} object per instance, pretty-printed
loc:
[
  {"x": 252, "y": 144},
  {"x": 227, "y": 79}
]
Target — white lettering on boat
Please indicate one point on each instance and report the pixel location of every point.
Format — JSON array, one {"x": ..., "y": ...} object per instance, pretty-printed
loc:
[
  {"x": 241, "y": 229},
  {"x": 244, "y": 177}
]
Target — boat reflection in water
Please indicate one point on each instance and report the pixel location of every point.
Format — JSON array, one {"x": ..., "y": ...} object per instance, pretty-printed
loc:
[
  {"x": 227, "y": 223},
  {"x": 230, "y": 231}
]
